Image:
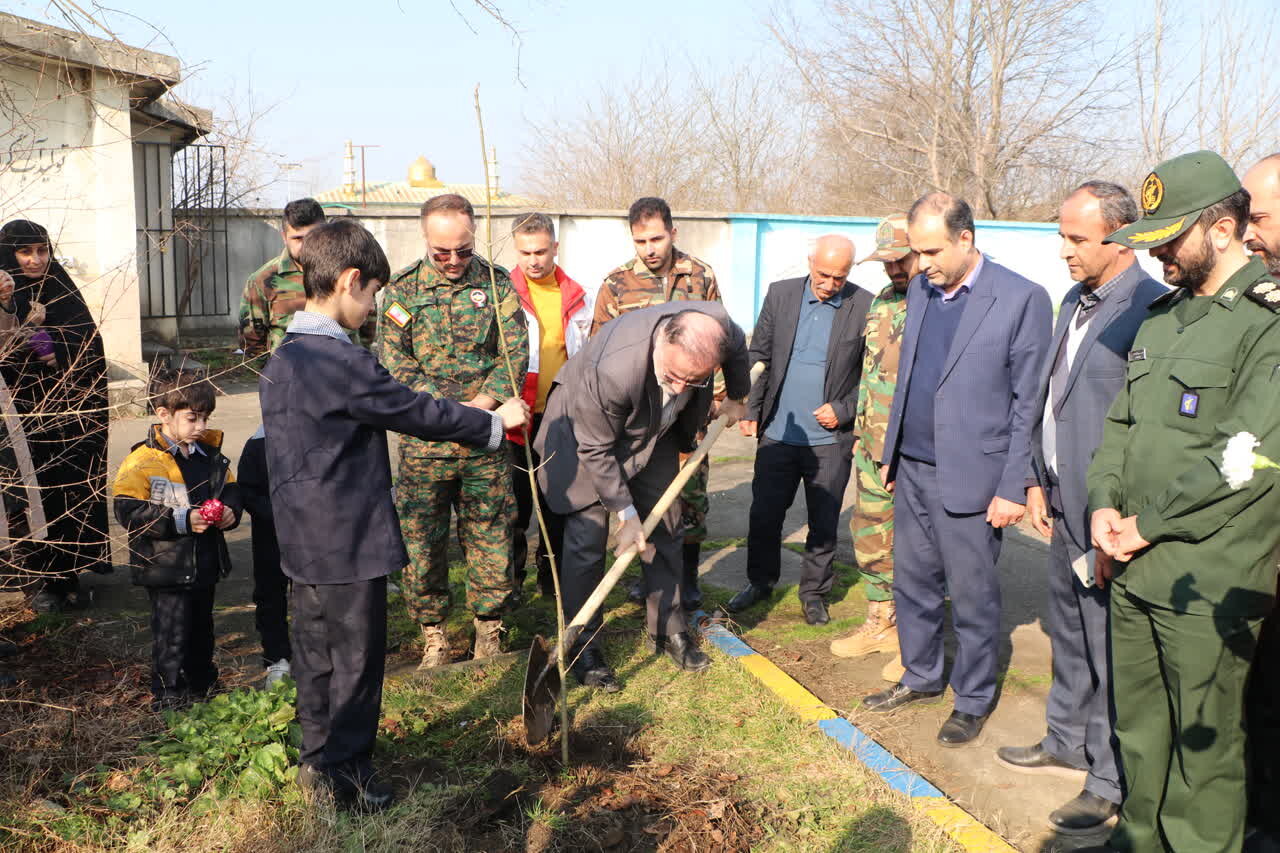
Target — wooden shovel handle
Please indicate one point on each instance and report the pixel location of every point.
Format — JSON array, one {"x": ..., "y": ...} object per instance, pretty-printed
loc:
[{"x": 610, "y": 580}]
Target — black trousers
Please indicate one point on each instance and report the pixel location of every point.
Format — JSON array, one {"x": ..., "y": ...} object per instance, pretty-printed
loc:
[
  {"x": 270, "y": 594},
  {"x": 1262, "y": 712},
  {"x": 181, "y": 641},
  {"x": 524, "y": 514},
  {"x": 586, "y": 534},
  {"x": 779, "y": 470},
  {"x": 339, "y": 646}
]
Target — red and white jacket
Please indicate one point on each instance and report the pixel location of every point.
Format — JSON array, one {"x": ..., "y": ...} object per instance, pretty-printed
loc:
[{"x": 576, "y": 307}]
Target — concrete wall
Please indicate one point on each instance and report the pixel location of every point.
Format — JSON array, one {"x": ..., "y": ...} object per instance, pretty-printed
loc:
[
  {"x": 69, "y": 166},
  {"x": 747, "y": 252}
]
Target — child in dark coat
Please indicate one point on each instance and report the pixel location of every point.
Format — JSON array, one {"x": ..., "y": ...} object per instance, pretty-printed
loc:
[
  {"x": 270, "y": 585},
  {"x": 175, "y": 495},
  {"x": 326, "y": 407}
]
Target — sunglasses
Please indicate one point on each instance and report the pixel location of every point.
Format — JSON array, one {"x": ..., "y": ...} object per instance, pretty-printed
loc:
[{"x": 443, "y": 255}]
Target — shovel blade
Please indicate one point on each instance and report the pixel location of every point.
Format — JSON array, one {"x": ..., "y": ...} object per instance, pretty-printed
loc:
[{"x": 541, "y": 689}]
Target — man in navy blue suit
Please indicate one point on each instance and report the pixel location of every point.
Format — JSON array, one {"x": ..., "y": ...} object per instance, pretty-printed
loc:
[{"x": 958, "y": 453}]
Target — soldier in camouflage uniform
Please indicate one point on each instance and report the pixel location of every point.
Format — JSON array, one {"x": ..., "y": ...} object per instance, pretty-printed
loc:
[
  {"x": 274, "y": 292},
  {"x": 872, "y": 522},
  {"x": 662, "y": 273},
  {"x": 439, "y": 332}
]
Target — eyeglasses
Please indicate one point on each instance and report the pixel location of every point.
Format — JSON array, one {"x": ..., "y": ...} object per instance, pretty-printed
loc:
[
  {"x": 671, "y": 379},
  {"x": 443, "y": 255}
]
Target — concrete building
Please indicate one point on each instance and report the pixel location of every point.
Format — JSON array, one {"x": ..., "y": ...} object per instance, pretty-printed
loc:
[{"x": 87, "y": 134}]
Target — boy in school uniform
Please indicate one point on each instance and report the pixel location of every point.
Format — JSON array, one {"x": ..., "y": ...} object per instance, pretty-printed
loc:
[
  {"x": 326, "y": 407},
  {"x": 175, "y": 495}
]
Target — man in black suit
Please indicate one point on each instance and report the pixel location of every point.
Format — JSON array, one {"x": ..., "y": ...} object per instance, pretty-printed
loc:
[
  {"x": 1082, "y": 374},
  {"x": 810, "y": 337},
  {"x": 619, "y": 415}
]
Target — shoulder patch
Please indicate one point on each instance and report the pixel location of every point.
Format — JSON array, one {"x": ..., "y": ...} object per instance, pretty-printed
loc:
[
  {"x": 398, "y": 314},
  {"x": 1265, "y": 292}
]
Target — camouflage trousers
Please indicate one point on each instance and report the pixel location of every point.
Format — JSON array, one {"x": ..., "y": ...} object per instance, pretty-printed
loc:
[
  {"x": 478, "y": 489},
  {"x": 694, "y": 504},
  {"x": 872, "y": 527}
]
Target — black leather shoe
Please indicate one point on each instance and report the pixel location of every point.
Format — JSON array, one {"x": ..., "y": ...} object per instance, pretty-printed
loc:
[
  {"x": 361, "y": 790},
  {"x": 895, "y": 697},
  {"x": 1085, "y": 815},
  {"x": 815, "y": 612},
  {"x": 591, "y": 671},
  {"x": 1036, "y": 759},
  {"x": 682, "y": 651},
  {"x": 749, "y": 595},
  {"x": 636, "y": 593},
  {"x": 960, "y": 729}
]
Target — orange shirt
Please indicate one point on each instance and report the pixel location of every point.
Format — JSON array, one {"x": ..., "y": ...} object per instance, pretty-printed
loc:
[{"x": 544, "y": 293}]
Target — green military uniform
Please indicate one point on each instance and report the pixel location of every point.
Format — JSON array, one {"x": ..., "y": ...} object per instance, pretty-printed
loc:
[
  {"x": 872, "y": 521},
  {"x": 441, "y": 336},
  {"x": 1185, "y": 611},
  {"x": 632, "y": 286},
  {"x": 271, "y": 296}
]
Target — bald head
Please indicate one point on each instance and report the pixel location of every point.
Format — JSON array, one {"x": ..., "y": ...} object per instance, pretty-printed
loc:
[
  {"x": 829, "y": 265},
  {"x": 693, "y": 347},
  {"x": 1262, "y": 237}
]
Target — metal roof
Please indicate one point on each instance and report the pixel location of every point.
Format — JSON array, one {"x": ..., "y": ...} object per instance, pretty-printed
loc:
[{"x": 400, "y": 192}]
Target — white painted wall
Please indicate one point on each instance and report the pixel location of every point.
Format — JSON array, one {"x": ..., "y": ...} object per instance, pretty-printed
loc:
[{"x": 69, "y": 167}]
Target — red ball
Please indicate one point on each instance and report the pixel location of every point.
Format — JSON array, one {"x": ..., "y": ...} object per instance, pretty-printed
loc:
[{"x": 211, "y": 510}]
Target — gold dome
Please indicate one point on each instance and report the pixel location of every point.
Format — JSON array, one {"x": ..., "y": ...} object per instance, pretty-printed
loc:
[{"x": 423, "y": 174}]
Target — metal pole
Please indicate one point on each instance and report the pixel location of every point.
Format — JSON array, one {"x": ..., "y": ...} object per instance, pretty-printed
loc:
[{"x": 362, "y": 173}]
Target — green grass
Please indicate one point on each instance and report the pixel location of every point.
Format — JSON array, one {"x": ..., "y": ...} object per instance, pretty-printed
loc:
[
  {"x": 721, "y": 460},
  {"x": 710, "y": 741}
]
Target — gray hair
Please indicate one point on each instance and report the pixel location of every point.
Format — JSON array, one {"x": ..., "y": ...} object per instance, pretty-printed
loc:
[
  {"x": 700, "y": 335},
  {"x": 1118, "y": 206}
]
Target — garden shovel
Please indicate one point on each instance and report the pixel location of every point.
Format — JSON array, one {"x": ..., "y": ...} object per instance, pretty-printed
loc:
[{"x": 541, "y": 677}]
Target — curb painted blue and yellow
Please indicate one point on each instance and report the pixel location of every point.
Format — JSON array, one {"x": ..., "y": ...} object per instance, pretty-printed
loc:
[{"x": 962, "y": 827}]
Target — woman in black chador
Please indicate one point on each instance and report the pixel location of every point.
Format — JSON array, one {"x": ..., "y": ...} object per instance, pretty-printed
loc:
[{"x": 59, "y": 385}]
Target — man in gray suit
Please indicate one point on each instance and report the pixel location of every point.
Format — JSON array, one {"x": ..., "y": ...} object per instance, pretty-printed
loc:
[
  {"x": 810, "y": 337},
  {"x": 1082, "y": 374},
  {"x": 958, "y": 451},
  {"x": 621, "y": 412}
]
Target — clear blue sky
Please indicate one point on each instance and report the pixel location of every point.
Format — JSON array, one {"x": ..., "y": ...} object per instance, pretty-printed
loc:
[{"x": 401, "y": 74}]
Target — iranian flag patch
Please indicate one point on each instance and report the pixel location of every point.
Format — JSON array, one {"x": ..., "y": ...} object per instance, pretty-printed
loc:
[{"x": 398, "y": 314}]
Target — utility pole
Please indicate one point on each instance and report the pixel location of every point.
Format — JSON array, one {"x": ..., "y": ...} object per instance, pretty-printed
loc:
[{"x": 363, "y": 185}]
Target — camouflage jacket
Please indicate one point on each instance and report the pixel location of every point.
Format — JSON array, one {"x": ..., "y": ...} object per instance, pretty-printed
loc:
[
  {"x": 441, "y": 337},
  {"x": 690, "y": 278},
  {"x": 886, "y": 319},
  {"x": 271, "y": 295}
]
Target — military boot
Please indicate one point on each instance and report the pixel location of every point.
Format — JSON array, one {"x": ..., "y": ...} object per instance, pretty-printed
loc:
[
  {"x": 435, "y": 647},
  {"x": 488, "y": 637},
  {"x": 878, "y": 634}
]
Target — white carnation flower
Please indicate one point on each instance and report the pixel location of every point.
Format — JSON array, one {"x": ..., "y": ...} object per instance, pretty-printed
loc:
[{"x": 1238, "y": 459}]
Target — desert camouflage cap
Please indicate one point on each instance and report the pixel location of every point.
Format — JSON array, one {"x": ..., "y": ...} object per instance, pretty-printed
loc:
[
  {"x": 1173, "y": 197},
  {"x": 891, "y": 240}
]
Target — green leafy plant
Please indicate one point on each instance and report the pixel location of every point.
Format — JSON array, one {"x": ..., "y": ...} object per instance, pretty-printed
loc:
[{"x": 244, "y": 742}]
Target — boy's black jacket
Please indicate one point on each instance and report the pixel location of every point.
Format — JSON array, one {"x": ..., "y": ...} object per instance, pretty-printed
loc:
[{"x": 149, "y": 489}]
